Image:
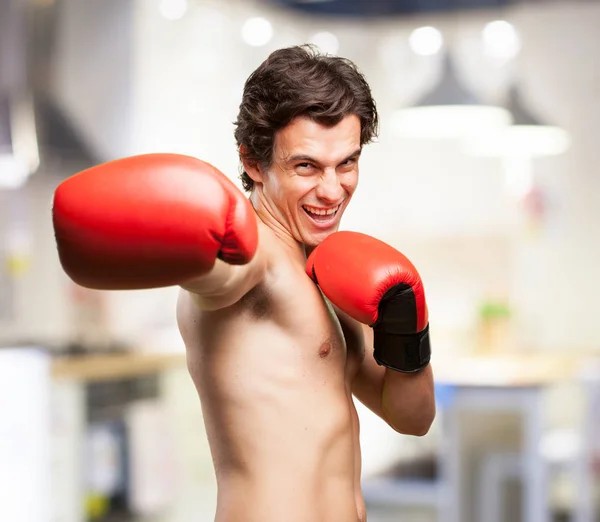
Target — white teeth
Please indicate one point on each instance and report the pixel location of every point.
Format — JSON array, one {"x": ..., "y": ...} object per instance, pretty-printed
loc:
[{"x": 321, "y": 212}]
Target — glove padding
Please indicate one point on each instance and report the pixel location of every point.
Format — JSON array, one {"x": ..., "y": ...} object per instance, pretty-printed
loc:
[
  {"x": 378, "y": 286},
  {"x": 149, "y": 221}
]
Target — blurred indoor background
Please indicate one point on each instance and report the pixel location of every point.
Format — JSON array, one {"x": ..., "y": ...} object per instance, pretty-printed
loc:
[{"x": 485, "y": 175}]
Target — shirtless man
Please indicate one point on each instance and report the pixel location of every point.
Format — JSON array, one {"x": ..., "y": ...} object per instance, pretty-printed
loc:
[{"x": 275, "y": 357}]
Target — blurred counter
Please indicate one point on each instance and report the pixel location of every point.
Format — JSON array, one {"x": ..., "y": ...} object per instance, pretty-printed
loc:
[
  {"x": 114, "y": 447},
  {"x": 107, "y": 367},
  {"x": 511, "y": 369}
]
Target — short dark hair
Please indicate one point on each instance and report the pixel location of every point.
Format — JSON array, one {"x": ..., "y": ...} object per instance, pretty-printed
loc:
[{"x": 300, "y": 81}]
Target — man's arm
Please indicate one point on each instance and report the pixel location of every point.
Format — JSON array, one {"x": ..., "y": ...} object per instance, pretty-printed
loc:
[
  {"x": 156, "y": 220},
  {"x": 226, "y": 284},
  {"x": 404, "y": 401},
  {"x": 380, "y": 288}
]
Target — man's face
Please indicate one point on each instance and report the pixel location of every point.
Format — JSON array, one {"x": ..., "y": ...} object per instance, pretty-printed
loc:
[{"x": 313, "y": 176}]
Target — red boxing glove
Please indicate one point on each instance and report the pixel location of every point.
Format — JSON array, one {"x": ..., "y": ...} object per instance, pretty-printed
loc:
[
  {"x": 378, "y": 286},
  {"x": 150, "y": 221}
]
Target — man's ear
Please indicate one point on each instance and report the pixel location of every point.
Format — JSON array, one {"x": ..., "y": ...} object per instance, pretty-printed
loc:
[{"x": 251, "y": 167}]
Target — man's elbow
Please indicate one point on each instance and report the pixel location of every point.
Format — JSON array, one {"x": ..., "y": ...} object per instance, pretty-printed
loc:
[
  {"x": 413, "y": 430},
  {"x": 417, "y": 426},
  {"x": 421, "y": 429}
]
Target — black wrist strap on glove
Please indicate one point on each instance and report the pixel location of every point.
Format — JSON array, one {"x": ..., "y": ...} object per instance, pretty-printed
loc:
[
  {"x": 392, "y": 346},
  {"x": 407, "y": 353}
]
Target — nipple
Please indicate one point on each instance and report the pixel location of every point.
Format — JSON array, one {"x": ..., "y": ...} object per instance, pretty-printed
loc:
[{"x": 325, "y": 350}]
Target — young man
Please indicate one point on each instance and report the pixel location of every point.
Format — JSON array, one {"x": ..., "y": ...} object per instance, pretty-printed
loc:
[{"x": 275, "y": 357}]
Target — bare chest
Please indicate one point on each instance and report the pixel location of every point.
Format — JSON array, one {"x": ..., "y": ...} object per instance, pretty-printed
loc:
[{"x": 292, "y": 304}]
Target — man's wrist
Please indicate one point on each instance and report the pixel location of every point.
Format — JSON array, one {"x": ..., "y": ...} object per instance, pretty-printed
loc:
[{"x": 406, "y": 353}]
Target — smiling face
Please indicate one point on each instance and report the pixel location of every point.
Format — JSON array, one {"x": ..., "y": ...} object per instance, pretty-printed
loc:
[{"x": 312, "y": 177}]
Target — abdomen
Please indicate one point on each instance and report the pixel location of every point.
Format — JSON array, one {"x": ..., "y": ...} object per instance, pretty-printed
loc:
[
  {"x": 280, "y": 428},
  {"x": 284, "y": 497}
]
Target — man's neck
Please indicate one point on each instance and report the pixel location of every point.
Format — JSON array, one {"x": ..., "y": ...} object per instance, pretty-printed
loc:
[{"x": 269, "y": 218}]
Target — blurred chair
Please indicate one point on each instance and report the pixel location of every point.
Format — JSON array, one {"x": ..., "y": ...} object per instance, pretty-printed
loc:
[
  {"x": 422, "y": 478},
  {"x": 496, "y": 469},
  {"x": 586, "y": 463},
  {"x": 575, "y": 451}
]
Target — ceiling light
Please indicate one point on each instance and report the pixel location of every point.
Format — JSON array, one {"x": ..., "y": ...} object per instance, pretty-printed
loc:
[
  {"x": 528, "y": 136},
  {"x": 501, "y": 40},
  {"x": 173, "y": 9},
  {"x": 257, "y": 31},
  {"x": 327, "y": 42},
  {"x": 448, "y": 111},
  {"x": 19, "y": 155},
  {"x": 426, "y": 41}
]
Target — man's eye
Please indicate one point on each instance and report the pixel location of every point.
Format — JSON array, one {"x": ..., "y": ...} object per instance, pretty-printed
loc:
[{"x": 304, "y": 165}]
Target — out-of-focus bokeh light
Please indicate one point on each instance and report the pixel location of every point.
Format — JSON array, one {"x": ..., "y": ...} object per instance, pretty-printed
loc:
[
  {"x": 426, "y": 41},
  {"x": 13, "y": 173},
  {"x": 520, "y": 140},
  {"x": 501, "y": 40},
  {"x": 257, "y": 31},
  {"x": 326, "y": 41},
  {"x": 446, "y": 122},
  {"x": 173, "y": 9}
]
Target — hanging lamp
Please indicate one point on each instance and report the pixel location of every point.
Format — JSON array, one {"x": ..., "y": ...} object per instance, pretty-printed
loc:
[{"x": 448, "y": 111}]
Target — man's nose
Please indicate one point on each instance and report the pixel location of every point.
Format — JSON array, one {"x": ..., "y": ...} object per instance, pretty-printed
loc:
[{"x": 329, "y": 188}]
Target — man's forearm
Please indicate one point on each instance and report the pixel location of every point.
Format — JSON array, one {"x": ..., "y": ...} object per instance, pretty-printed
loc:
[
  {"x": 214, "y": 281},
  {"x": 408, "y": 400},
  {"x": 225, "y": 284}
]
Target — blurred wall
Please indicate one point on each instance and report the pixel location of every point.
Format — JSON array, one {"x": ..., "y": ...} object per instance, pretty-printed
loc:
[
  {"x": 35, "y": 306},
  {"x": 94, "y": 71},
  {"x": 136, "y": 82},
  {"x": 556, "y": 274}
]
